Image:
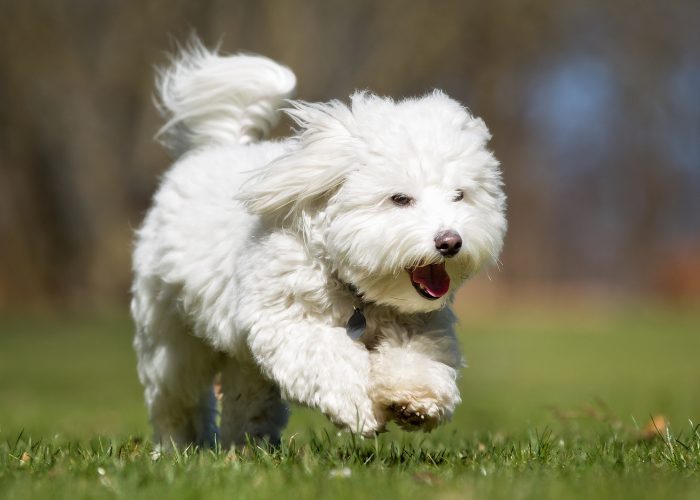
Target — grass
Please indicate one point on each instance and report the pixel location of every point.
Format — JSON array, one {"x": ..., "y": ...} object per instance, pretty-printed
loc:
[{"x": 556, "y": 405}]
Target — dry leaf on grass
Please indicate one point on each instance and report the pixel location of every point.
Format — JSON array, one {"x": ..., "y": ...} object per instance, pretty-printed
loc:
[{"x": 655, "y": 428}]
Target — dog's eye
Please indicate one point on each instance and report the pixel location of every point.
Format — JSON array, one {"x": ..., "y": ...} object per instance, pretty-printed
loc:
[
  {"x": 459, "y": 196},
  {"x": 401, "y": 200}
]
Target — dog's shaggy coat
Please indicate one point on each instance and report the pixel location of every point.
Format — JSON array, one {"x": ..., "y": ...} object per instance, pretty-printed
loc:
[{"x": 256, "y": 255}]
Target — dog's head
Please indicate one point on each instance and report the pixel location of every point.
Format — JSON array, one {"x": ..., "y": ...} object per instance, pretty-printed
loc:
[{"x": 403, "y": 198}]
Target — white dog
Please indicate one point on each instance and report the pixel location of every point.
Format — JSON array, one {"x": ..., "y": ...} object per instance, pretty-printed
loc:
[{"x": 318, "y": 269}]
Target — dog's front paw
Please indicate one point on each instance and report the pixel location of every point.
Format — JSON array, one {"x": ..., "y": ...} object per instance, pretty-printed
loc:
[
  {"x": 357, "y": 415},
  {"x": 412, "y": 417},
  {"x": 412, "y": 390},
  {"x": 417, "y": 409}
]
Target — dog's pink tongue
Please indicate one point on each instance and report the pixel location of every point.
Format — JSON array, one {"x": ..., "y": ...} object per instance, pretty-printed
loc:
[{"x": 433, "y": 277}]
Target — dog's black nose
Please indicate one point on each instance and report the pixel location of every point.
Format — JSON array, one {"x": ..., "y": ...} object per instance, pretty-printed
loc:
[{"x": 448, "y": 243}]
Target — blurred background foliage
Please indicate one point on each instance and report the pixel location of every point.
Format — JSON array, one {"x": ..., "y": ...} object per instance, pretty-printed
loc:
[{"x": 594, "y": 108}]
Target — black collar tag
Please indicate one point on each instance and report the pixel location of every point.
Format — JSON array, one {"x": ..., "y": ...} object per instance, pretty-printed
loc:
[{"x": 356, "y": 325}]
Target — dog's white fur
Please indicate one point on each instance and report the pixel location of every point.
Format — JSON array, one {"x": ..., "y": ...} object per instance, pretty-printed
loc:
[{"x": 254, "y": 255}]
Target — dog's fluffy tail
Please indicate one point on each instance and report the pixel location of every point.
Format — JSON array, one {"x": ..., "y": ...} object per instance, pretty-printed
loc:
[{"x": 207, "y": 98}]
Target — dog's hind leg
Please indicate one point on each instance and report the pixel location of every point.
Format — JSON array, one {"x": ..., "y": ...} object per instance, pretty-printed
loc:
[
  {"x": 252, "y": 408},
  {"x": 177, "y": 371}
]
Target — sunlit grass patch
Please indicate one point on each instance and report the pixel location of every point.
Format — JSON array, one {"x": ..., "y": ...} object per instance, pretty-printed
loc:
[{"x": 322, "y": 464}]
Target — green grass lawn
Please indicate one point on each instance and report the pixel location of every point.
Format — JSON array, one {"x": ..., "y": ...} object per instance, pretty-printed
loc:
[{"x": 554, "y": 406}]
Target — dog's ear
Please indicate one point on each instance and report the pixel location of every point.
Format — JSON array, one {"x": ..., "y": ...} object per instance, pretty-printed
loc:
[{"x": 316, "y": 165}]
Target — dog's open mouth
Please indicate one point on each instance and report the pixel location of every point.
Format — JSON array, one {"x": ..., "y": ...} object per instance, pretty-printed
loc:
[{"x": 431, "y": 281}]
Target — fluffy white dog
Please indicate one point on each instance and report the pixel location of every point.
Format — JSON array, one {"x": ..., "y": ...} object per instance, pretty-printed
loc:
[{"x": 318, "y": 269}]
